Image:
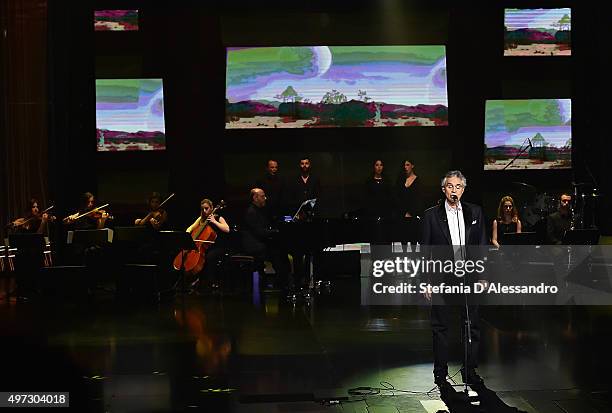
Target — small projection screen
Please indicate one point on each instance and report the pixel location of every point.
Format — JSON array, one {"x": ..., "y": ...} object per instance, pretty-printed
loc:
[
  {"x": 537, "y": 32},
  {"x": 130, "y": 115},
  {"x": 116, "y": 20},
  {"x": 528, "y": 134}
]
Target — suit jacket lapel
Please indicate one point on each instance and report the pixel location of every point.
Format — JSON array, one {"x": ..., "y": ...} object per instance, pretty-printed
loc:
[{"x": 443, "y": 222}]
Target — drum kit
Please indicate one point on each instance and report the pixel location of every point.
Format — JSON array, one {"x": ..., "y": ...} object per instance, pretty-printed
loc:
[{"x": 534, "y": 207}]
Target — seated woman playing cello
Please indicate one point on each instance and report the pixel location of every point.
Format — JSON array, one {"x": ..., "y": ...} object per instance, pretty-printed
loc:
[{"x": 205, "y": 231}]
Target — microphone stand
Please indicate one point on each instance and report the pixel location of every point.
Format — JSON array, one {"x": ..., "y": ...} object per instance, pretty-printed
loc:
[{"x": 467, "y": 335}]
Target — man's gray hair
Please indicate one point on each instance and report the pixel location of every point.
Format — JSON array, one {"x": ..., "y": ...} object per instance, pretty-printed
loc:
[{"x": 455, "y": 174}]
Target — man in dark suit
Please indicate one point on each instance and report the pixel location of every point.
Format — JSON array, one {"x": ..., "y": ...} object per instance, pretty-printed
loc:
[{"x": 450, "y": 231}]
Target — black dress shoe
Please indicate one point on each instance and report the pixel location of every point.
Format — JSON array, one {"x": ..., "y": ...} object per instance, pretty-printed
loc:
[
  {"x": 471, "y": 378},
  {"x": 442, "y": 384}
]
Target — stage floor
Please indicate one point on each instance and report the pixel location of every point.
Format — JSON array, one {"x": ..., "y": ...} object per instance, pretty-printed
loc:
[{"x": 262, "y": 353}]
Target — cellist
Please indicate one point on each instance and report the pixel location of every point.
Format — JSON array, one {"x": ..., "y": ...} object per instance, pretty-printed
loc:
[{"x": 215, "y": 251}]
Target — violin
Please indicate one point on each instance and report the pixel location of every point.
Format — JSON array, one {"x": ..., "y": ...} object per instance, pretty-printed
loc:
[
  {"x": 156, "y": 215},
  {"x": 26, "y": 223},
  {"x": 99, "y": 214},
  {"x": 193, "y": 261},
  {"x": 96, "y": 213}
]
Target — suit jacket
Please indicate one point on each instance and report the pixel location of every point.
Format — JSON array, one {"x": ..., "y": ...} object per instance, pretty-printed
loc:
[
  {"x": 437, "y": 244},
  {"x": 436, "y": 231}
]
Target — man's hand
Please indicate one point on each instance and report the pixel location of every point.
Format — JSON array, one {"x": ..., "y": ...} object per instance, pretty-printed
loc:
[{"x": 427, "y": 293}]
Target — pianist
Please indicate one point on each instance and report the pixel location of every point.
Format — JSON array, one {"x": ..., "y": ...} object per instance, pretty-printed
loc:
[{"x": 258, "y": 238}]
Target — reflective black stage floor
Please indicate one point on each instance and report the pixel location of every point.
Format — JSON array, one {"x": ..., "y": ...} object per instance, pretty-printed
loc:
[{"x": 261, "y": 353}]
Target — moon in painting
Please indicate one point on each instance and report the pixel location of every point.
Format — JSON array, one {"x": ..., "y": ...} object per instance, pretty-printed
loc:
[{"x": 322, "y": 59}]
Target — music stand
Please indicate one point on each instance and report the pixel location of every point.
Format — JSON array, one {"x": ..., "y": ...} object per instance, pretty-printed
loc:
[
  {"x": 581, "y": 237},
  {"x": 90, "y": 237},
  {"x": 172, "y": 240},
  {"x": 29, "y": 245},
  {"x": 520, "y": 238},
  {"x": 302, "y": 209},
  {"x": 134, "y": 234}
]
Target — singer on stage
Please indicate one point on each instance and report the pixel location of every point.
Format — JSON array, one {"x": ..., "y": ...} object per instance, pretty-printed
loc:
[{"x": 450, "y": 227}]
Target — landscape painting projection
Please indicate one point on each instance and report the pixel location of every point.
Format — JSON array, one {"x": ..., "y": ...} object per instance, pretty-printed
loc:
[
  {"x": 116, "y": 20},
  {"x": 321, "y": 86},
  {"x": 130, "y": 115},
  {"x": 537, "y": 32},
  {"x": 528, "y": 134}
]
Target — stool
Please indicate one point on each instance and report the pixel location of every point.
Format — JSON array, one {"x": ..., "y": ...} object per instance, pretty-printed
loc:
[
  {"x": 238, "y": 272},
  {"x": 3, "y": 259}
]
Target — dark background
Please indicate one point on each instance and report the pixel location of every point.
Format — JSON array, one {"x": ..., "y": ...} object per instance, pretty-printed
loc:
[{"x": 184, "y": 43}]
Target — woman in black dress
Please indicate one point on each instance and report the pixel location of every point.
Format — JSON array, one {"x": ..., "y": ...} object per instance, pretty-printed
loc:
[
  {"x": 408, "y": 191},
  {"x": 377, "y": 200},
  {"x": 507, "y": 220}
]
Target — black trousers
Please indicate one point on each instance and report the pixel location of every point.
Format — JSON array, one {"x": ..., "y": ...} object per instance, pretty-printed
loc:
[
  {"x": 278, "y": 257},
  {"x": 214, "y": 256},
  {"x": 440, "y": 321}
]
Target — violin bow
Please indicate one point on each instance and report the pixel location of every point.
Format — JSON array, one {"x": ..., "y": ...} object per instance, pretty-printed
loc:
[{"x": 90, "y": 212}]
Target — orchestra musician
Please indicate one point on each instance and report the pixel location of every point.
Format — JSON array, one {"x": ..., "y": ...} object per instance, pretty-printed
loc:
[
  {"x": 507, "y": 220},
  {"x": 95, "y": 220},
  {"x": 214, "y": 251},
  {"x": 257, "y": 237},
  {"x": 34, "y": 221},
  {"x": 560, "y": 221},
  {"x": 157, "y": 216}
]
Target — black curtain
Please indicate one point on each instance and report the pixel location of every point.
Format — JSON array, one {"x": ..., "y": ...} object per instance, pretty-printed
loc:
[{"x": 23, "y": 107}]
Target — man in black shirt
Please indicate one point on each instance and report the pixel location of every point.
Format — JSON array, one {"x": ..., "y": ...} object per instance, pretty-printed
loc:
[
  {"x": 304, "y": 187},
  {"x": 257, "y": 236},
  {"x": 273, "y": 186},
  {"x": 560, "y": 221}
]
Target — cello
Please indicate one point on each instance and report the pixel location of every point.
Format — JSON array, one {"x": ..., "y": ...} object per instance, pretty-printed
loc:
[{"x": 192, "y": 261}]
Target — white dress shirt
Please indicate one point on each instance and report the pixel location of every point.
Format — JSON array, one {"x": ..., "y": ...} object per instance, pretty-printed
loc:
[{"x": 456, "y": 226}]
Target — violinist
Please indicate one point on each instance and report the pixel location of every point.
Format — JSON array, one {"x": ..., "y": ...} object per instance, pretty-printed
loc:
[
  {"x": 34, "y": 221},
  {"x": 215, "y": 251},
  {"x": 157, "y": 216},
  {"x": 95, "y": 220}
]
